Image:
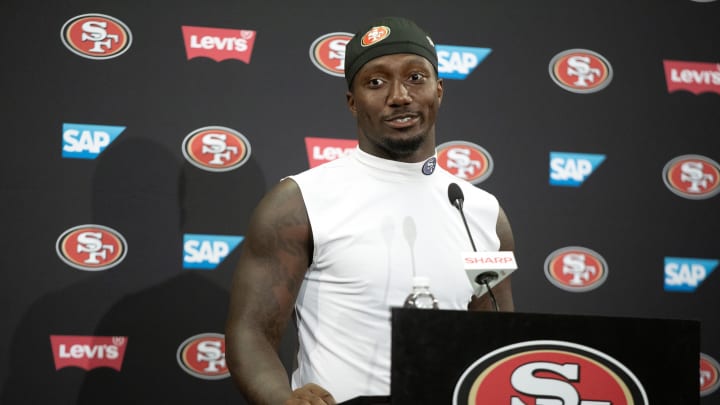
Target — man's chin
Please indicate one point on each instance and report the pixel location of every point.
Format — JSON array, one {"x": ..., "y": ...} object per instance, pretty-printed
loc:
[{"x": 402, "y": 147}]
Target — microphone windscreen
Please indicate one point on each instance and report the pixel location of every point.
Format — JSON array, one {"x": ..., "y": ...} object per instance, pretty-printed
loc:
[{"x": 455, "y": 194}]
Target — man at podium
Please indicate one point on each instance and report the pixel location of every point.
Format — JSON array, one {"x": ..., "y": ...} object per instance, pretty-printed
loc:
[{"x": 339, "y": 245}]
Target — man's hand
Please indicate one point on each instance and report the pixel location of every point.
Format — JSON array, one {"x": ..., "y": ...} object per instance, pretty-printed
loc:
[{"x": 311, "y": 394}]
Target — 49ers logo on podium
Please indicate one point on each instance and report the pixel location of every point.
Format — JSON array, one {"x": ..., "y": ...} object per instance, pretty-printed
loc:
[
  {"x": 96, "y": 36},
  {"x": 548, "y": 371},
  {"x": 203, "y": 356},
  {"x": 465, "y": 160},
  {"x": 91, "y": 247},
  {"x": 216, "y": 149}
]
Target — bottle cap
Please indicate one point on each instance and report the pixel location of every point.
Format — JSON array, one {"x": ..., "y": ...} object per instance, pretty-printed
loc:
[{"x": 421, "y": 281}]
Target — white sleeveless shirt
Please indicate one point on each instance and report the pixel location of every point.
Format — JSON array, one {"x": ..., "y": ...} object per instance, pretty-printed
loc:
[{"x": 376, "y": 223}]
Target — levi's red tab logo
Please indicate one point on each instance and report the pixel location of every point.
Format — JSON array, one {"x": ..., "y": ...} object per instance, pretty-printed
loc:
[
  {"x": 218, "y": 44},
  {"x": 323, "y": 150},
  {"x": 695, "y": 77},
  {"x": 88, "y": 352}
]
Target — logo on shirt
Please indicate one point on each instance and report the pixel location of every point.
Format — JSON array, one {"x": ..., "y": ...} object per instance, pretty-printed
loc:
[
  {"x": 551, "y": 372},
  {"x": 327, "y": 52},
  {"x": 580, "y": 71},
  {"x": 96, "y": 36},
  {"x": 88, "y": 352},
  {"x": 218, "y": 44},
  {"x": 694, "y": 177},
  {"x": 323, "y": 150},
  {"x": 91, "y": 247},
  {"x": 465, "y": 160},
  {"x": 572, "y": 169},
  {"x": 457, "y": 62},
  {"x": 576, "y": 269},
  {"x": 684, "y": 274},
  {"x": 695, "y": 77},
  {"x": 203, "y": 356},
  {"x": 206, "y": 252},
  {"x": 216, "y": 149},
  {"x": 86, "y": 141},
  {"x": 709, "y": 372}
]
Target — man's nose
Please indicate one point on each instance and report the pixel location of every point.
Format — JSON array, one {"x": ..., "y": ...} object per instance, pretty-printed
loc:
[{"x": 399, "y": 94}]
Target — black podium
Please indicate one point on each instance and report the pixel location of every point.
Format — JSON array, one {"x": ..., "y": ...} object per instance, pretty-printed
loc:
[{"x": 489, "y": 358}]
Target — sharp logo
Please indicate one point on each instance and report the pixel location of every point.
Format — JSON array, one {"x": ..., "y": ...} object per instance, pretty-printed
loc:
[
  {"x": 206, "y": 252},
  {"x": 695, "y": 77},
  {"x": 576, "y": 269},
  {"x": 548, "y": 372},
  {"x": 457, "y": 62},
  {"x": 91, "y": 247},
  {"x": 216, "y": 149},
  {"x": 203, "y": 356},
  {"x": 86, "y": 141},
  {"x": 709, "y": 375},
  {"x": 683, "y": 274},
  {"x": 694, "y": 177},
  {"x": 580, "y": 71},
  {"x": 96, "y": 36},
  {"x": 327, "y": 52},
  {"x": 323, "y": 150},
  {"x": 88, "y": 352},
  {"x": 572, "y": 169},
  {"x": 465, "y": 160},
  {"x": 218, "y": 44}
]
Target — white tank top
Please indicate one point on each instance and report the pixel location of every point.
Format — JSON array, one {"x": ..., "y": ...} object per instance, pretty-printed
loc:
[{"x": 376, "y": 223}]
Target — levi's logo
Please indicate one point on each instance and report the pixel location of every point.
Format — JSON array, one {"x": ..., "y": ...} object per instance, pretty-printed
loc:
[
  {"x": 88, "y": 352},
  {"x": 323, "y": 150},
  {"x": 695, "y": 77},
  {"x": 218, "y": 44}
]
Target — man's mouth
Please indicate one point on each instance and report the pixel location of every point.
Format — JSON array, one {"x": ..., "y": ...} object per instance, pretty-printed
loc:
[{"x": 402, "y": 120}]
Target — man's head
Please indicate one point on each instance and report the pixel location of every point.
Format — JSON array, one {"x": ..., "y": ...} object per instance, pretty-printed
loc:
[
  {"x": 394, "y": 90},
  {"x": 387, "y": 36}
]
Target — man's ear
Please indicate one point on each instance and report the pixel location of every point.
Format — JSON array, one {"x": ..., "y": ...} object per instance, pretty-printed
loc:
[
  {"x": 351, "y": 103},
  {"x": 440, "y": 90}
]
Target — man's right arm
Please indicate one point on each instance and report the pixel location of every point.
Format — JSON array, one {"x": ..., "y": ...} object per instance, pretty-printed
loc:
[{"x": 274, "y": 258}]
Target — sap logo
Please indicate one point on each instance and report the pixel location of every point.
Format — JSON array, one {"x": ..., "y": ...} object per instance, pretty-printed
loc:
[
  {"x": 206, "y": 252},
  {"x": 686, "y": 274},
  {"x": 85, "y": 141},
  {"x": 571, "y": 169},
  {"x": 457, "y": 62}
]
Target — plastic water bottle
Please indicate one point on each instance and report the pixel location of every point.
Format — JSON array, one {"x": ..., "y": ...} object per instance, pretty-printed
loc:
[{"x": 421, "y": 297}]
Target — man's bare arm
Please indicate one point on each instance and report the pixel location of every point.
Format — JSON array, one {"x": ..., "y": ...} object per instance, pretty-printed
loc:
[
  {"x": 274, "y": 258},
  {"x": 502, "y": 291}
]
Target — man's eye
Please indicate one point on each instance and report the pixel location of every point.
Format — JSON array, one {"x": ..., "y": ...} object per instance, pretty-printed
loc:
[
  {"x": 375, "y": 82},
  {"x": 417, "y": 76}
]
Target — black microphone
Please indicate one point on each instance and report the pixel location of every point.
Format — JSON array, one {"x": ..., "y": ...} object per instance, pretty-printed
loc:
[{"x": 457, "y": 198}]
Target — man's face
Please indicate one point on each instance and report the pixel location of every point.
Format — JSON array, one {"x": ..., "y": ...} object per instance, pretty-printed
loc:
[{"x": 395, "y": 100}]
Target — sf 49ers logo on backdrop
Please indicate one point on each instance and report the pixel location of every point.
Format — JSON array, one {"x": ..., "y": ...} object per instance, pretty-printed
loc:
[
  {"x": 375, "y": 35},
  {"x": 548, "y": 371},
  {"x": 576, "y": 269},
  {"x": 91, "y": 247},
  {"x": 580, "y": 71},
  {"x": 203, "y": 356},
  {"x": 694, "y": 177},
  {"x": 96, "y": 36},
  {"x": 465, "y": 160},
  {"x": 216, "y": 149},
  {"x": 327, "y": 52},
  {"x": 88, "y": 352},
  {"x": 218, "y": 44},
  {"x": 709, "y": 375}
]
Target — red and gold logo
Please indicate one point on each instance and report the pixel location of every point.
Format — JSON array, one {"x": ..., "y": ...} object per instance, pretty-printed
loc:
[
  {"x": 694, "y": 177},
  {"x": 91, "y": 247},
  {"x": 96, "y": 36},
  {"x": 216, "y": 149},
  {"x": 709, "y": 379},
  {"x": 465, "y": 160},
  {"x": 203, "y": 356},
  {"x": 327, "y": 53},
  {"x": 580, "y": 71},
  {"x": 576, "y": 269},
  {"x": 375, "y": 35}
]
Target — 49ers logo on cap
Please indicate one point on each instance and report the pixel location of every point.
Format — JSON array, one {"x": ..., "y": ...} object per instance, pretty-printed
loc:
[
  {"x": 327, "y": 53},
  {"x": 692, "y": 176},
  {"x": 96, "y": 36},
  {"x": 576, "y": 269},
  {"x": 91, "y": 247},
  {"x": 203, "y": 356},
  {"x": 709, "y": 370},
  {"x": 549, "y": 371},
  {"x": 216, "y": 149},
  {"x": 580, "y": 71},
  {"x": 375, "y": 35},
  {"x": 465, "y": 160}
]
